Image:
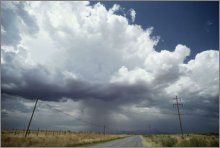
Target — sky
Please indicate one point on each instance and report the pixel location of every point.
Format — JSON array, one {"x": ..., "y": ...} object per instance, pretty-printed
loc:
[{"x": 118, "y": 64}]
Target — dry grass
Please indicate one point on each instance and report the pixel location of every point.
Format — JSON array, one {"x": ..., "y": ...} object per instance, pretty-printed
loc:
[
  {"x": 55, "y": 139},
  {"x": 190, "y": 140}
]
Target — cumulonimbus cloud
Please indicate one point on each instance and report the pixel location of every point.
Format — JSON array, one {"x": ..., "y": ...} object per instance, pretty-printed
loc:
[{"x": 92, "y": 53}]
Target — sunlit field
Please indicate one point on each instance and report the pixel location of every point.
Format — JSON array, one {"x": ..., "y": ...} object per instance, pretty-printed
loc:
[
  {"x": 189, "y": 140},
  {"x": 54, "y": 138}
]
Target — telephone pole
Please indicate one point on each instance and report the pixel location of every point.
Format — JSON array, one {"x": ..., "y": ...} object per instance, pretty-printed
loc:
[
  {"x": 177, "y": 104},
  {"x": 149, "y": 131},
  {"x": 30, "y": 119},
  {"x": 104, "y": 129}
]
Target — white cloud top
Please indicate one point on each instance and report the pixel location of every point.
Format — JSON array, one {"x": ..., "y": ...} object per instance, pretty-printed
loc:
[{"x": 133, "y": 14}]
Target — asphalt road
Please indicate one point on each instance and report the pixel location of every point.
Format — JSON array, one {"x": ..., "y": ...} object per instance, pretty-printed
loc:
[{"x": 132, "y": 141}]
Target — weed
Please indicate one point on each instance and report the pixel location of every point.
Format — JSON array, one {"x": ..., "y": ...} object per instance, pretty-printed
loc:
[
  {"x": 169, "y": 141},
  {"x": 190, "y": 140},
  {"x": 214, "y": 143},
  {"x": 198, "y": 142},
  {"x": 61, "y": 139}
]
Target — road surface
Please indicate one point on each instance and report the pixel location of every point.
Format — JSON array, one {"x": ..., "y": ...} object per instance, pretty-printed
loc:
[{"x": 132, "y": 141}]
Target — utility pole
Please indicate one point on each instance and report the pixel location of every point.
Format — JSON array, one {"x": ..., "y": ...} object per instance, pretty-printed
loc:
[
  {"x": 37, "y": 131},
  {"x": 15, "y": 131},
  {"x": 104, "y": 130},
  {"x": 179, "y": 114},
  {"x": 30, "y": 119}
]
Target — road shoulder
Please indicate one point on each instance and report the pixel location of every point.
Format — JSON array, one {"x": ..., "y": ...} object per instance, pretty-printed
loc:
[{"x": 146, "y": 143}]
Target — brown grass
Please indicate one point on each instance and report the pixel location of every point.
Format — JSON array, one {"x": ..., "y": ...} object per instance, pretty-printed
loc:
[
  {"x": 54, "y": 139},
  {"x": 190, "y": 140}
]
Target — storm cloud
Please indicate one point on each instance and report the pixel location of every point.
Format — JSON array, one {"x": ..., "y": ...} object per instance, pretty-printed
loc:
[
  {"x": 96, "y": 65},
  {"x": 14, "y": 21}
]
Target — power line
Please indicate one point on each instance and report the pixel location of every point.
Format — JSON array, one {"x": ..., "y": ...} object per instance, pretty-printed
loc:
[
  {"x": 88, "y": 122},
  {"x": 82, "y": 120},
  {"x": 101, "y": 126}
]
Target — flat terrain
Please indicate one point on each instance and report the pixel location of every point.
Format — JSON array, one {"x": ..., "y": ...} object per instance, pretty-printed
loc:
[
  {"x": 132, "y": 141},
  {"x": 54, "y": 138},
  {"x": 175, "y": 140},
  {"x": 15, "y": 138}
]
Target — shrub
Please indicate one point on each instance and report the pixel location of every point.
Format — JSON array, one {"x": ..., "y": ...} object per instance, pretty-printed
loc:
[
  {"x": 214, "y": 143},
  {"x": 198, "y": 142},
  {"x": 168, "y": 141},
  {"x": 190, "y": 140},
  {"x": 183, "y": 143}
]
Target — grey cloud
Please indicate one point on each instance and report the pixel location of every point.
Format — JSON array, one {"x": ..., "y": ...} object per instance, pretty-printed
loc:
[
  {"x": 209, "y": 110},
  {"x": 14, "y": 103},
  {"x": 37, "y": 81},
  {"x": 8, "y": 22},
  {"x": 102, "y": 100},
  {"x": 30, "y": 21},
  {"x": 12, "y": 15},
  {"x": 35, "y": 85},
  {"x": 100, "y": 112},
  {"x": 4, "y": 113}
]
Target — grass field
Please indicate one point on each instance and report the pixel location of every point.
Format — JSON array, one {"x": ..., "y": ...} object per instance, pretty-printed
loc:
[
  {"x": 15, "y": 138},
  {"x": 189, "y": 140},
  {"x": 54, "y": 138}
]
